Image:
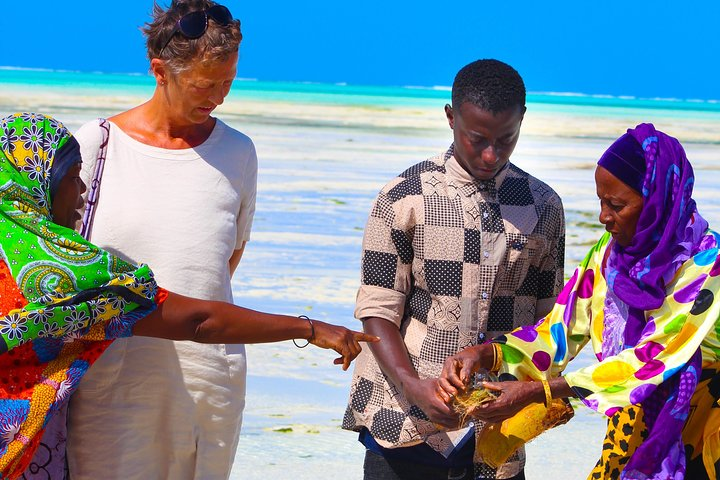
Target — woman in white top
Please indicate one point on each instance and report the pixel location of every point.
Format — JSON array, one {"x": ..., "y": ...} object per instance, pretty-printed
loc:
[{"x": 178, "y": 192}]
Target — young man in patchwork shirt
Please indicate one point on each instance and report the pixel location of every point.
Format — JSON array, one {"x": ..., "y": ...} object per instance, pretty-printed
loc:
[{"x": 458, "y": 249}]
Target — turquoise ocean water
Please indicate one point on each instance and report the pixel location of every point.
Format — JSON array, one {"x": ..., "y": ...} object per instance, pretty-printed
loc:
[
  {"x": 320, "y": 92},
  {"x": 324, "y": 152}
]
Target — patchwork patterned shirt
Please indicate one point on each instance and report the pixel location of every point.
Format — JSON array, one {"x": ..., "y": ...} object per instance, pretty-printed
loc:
[{"x": 452, "y": 261}]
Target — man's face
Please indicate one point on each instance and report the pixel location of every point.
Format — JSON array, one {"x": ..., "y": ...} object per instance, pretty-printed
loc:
[{"x": 484, "y": 141}]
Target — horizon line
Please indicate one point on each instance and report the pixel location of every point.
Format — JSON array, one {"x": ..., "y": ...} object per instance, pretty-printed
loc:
[{"x": 435, "y": 88}]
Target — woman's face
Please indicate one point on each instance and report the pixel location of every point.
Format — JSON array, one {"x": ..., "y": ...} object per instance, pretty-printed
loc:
[
  {"x": 193, "y": 94},
  {"x": 620, "y": 206},
  {"x": 68, "y": 198}
]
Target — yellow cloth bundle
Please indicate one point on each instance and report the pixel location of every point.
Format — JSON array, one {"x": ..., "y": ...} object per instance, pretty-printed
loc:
[{"x": 496, "y": 442}]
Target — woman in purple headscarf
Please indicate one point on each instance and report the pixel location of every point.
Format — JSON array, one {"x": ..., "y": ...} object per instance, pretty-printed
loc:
[{"x": 644, "y": 296}]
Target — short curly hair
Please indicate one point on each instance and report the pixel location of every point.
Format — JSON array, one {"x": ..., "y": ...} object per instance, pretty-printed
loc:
[
  {"x": 489, "y": 84},
  {"x": 217, "y": 43}
]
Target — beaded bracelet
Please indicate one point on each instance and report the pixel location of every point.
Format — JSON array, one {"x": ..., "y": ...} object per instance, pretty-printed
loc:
[{"x": 312, "y": 332}]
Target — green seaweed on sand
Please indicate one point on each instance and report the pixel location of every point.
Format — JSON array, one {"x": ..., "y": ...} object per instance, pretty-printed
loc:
[{"x": 589, "y": 225}]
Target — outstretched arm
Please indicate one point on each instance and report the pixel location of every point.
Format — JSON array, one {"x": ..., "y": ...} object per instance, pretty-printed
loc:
[{"x": 205, "y": 321}]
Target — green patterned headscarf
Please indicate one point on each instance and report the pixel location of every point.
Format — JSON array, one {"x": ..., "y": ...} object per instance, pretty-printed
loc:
[
  {"x": 66, "y": 299},
  {"x": 69, "y": 284}
]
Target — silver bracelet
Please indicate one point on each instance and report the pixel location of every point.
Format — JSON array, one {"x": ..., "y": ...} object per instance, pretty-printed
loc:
[{"x": 312, "y": 332}]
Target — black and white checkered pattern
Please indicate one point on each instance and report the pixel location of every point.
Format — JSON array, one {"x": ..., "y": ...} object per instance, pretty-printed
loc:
[{"x": 454, "y": 259}]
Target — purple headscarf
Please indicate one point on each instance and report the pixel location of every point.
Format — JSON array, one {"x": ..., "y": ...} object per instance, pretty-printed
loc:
[
  {"x": 669, "y": 231},
  {"x": 625, "y": 159}
]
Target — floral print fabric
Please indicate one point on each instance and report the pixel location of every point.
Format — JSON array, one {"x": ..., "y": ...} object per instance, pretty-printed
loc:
[{"x": 63, "y": 300}]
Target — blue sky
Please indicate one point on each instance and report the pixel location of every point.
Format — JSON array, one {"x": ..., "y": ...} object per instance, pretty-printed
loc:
[{"x": 640, "y": 48}]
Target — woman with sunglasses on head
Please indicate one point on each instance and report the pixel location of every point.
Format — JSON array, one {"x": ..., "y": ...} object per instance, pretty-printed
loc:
[{"x": 177, "y": 190}]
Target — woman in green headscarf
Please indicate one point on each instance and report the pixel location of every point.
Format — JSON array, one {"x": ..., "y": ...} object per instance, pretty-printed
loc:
[{"x": 63, "y": 300}]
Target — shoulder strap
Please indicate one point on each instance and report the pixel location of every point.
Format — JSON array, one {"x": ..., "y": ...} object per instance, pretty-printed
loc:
[{"x": 94, "y": 188}]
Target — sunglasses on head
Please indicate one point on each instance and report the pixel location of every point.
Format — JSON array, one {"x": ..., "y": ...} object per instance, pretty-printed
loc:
[{"x": 194, "y": 24}]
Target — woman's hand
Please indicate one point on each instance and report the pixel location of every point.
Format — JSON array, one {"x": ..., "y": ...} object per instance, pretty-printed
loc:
[
  {"x": 459, "y": 369},
  {"x": 344, "y": 341},
  {"x": 513, "y": 396}
]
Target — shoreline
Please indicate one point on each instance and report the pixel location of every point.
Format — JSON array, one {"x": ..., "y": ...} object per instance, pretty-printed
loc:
[{"x": 415, "y": 118}]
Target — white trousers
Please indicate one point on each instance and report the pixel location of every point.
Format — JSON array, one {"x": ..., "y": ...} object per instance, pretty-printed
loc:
[{"x": 157, "y": 409}]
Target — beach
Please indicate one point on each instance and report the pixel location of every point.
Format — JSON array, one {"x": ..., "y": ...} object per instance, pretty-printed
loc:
[{"x": 324, "y": 152}]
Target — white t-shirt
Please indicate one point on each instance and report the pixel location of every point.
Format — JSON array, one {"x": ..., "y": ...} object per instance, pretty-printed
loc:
[{"x": 146, "y": 404}]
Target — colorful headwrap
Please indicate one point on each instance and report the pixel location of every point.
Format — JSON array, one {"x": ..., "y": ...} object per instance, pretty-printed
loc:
[
  {"x": 625, "y": 159},
  {"x": 63, "y": 299},
  {"x": 668, "y": 233}
]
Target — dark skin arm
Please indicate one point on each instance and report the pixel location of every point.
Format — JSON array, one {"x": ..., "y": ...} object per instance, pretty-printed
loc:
[
  {"x": 204, "y": 321},
  {"x": 513, "y": 395},
  {"x": 459, "y": 369},
  {"x": 516, "y": 395},
  {"x": 392, "y": 356}
]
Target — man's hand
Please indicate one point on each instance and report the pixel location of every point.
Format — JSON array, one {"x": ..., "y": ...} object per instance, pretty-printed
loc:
[
  {"x": 424, "y": 394},
  {"x": 394, "y": 360},
  {"x": 459, "y": 369}
]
